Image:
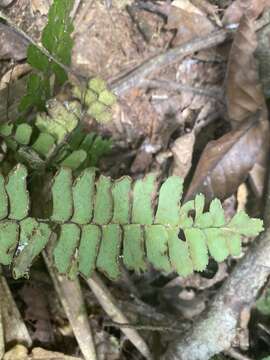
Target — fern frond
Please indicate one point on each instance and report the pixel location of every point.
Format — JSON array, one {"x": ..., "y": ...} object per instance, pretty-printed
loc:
[
  {"x": 55, "y": 139},
  {"x": 100, "y": 220}
]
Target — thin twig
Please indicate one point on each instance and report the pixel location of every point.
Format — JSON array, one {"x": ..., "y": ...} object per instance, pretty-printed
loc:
[
  {"x": 214, "y": 92},
  {"x": 76, "y": 5},
  {"x": 71, "y": 298},
  {"x": 108, "y": 303},
  {"x": 144, "y": 327},
  {"x": 15, "y": 330},
  {"x": 138, "y": 75}
]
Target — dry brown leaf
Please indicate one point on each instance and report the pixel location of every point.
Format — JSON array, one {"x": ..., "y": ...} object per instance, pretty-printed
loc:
[
  {"x": 104, "y": 57},
  {"x": 263, "y": 56},
  {"x": 12, "y": 44},
  {"x": 245, "y": 93},
  {"x": 42, "y": 354},
  {"x": 242, "y": 197},
  {"x": 141, "y": 162},
  {"x": 5, "y": 3},
  {"x": 14, "y": 74},
  {"x": 256, "y": 7},
  {"x": 226, "y": 162},
  {"x": 188, "y": 22},
  {"x": 121, "y": 4},
  {"x": 186, "y": 5},
  {"x": 258, "y": 172},
  {"x": 10, "y": 98},
  {"x": 257, "y": 178},
  {"x": 208, "y": 8},
  {"x": 235, "y": 11},
  {"x": 243, "y": 89},
  {"x": 243, "y": 330},
  {"x": 42, "y": 6},
  {"x": 37, "y": 313},
  {"x": 18, "y": 352},
  {"x": 182, "y": 150}
]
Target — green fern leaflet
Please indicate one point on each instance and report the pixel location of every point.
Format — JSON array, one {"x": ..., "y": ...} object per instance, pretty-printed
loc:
[
  {"x": 56, "y": 38},
  {"x": 55, "y": 138},
  {"x": 99, "y": 221}
]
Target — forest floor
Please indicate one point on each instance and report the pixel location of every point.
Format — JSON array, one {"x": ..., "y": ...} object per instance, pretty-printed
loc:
[{"x": 169, "y": 110}]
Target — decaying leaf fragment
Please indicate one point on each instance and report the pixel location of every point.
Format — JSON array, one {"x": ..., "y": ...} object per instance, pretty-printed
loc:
[
  {"x": 188, "y": 20},
  {"x": 236, "y": 10},
  {"x": 12, "y": 44},
  {"x": 182, "y": 150},
  {"x": 244, "y": 94},
  {"x": 227, "y": 162}
]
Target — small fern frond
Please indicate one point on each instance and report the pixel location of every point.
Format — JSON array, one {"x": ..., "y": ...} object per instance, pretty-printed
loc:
[
  {"x": 55, "y": 139},
  {"x": 98, "y": 99},
  {"x": 100, "y": 221}
]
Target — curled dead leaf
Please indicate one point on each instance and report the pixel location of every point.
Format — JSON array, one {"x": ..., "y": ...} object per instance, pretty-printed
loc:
[
  {"x": 12, "y": 44},
  {"x": 186, "y": 5},
  {"x": 5, "y": 3},
  {"x": 18, "y": 352},
  {"x": 236, "y": 10},
  {"x": 205, "y": 6},
  {"x": 41, "y": 6},
  {"x": 225, "y": 163},
  {"x": 188, "y": 24},
  {"x": 182, "y": 150},
  {"x": 263, "y": 56},
  {"x": 42, "y": 354},
  {"x": 258, "y": 173},
  {"x": 10, "y": 98},
  {"x": 244, "y": 93},
  {"x": 242, "y": 197}
]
